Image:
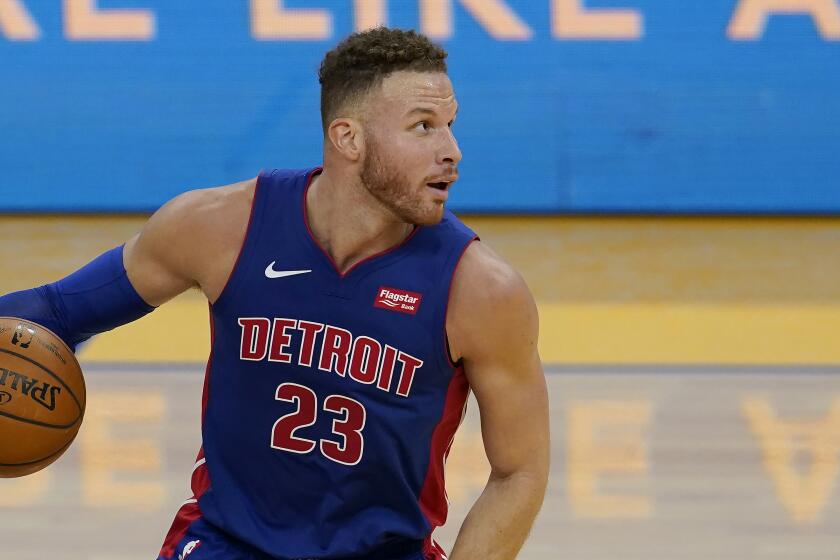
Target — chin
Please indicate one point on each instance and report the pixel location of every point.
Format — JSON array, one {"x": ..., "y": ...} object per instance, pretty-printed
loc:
[{"x": 428, "y": 217}]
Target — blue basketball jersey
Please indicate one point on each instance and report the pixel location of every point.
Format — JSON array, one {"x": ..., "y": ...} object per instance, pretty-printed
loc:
[{"x": 330, "y": 400}]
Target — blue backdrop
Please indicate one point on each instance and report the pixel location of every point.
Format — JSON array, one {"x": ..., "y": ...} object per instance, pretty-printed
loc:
[{"x": 682, "y": 117}]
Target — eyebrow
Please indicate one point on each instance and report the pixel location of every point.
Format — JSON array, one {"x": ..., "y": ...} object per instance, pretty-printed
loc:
[{"x": 426, "y": 111}]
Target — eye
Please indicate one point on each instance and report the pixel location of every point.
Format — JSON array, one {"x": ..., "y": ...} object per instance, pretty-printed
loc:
[{"x": 424, "y": 125}]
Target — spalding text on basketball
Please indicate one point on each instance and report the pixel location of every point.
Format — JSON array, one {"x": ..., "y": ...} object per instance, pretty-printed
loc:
[{"x": 42, "y": 393}]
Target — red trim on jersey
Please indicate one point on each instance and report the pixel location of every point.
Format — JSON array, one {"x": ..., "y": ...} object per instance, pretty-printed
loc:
[
  {"x": 448, "y": 297},
  {"x": 185, "y": 517},
  {"x": 432, "y": 550},
  {"x": 200, "y": 479},
  {"x": 326, "y": 254},
  {"x": 433, "y": 500},
  {"x": 244, "y": 239},
  {"x": 205, "y": 393}
]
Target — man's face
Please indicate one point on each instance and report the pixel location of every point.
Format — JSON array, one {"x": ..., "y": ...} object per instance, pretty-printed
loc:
[{"x": 411, "y": 157}]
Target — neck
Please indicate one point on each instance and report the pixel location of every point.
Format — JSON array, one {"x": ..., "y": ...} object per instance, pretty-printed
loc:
[{"x": 349, "y": 223}]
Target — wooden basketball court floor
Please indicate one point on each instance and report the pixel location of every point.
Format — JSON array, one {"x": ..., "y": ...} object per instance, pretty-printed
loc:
[{"x": 693, "y": 367}]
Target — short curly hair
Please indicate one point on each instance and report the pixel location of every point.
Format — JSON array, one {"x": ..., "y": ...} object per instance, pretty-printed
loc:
[{"x": 364, "y": 59}]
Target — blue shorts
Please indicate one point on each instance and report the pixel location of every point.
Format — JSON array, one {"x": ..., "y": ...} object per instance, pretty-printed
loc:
[{"x": 204, "y": 541}]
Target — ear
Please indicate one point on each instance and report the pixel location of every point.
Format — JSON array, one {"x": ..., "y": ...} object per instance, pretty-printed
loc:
[{"x": 347, "y": 138}]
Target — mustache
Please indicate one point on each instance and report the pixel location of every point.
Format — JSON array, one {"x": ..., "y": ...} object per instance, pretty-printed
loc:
[{"x": 448, "y": 174}]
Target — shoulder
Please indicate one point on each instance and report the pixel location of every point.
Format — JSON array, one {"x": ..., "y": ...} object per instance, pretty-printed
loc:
[
  {"x": 210, "y": 208},
  {"x": 203, "y": 218},
  {"x": 197, "y": 235},
  {"x": 490, "y": 304},
  {"x": 481, "y": 267}
]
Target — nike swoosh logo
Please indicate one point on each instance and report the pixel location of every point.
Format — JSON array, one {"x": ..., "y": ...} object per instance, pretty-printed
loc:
[{"x": 271, "y": 273}]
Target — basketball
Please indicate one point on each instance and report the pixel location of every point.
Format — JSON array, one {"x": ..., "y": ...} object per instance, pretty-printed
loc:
[{"x": 42, "y": 397}]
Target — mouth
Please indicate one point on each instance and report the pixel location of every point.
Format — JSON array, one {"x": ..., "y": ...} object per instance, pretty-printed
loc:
[
  {"x": 439, "y": 190},
  {"x": 442, "y": 182}
]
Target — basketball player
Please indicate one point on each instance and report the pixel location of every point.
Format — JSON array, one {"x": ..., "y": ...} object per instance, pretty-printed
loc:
[{"x": 351, "y": 314}]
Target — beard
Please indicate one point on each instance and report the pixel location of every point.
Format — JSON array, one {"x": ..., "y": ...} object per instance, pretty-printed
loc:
[{"x": 394, "y": 190}]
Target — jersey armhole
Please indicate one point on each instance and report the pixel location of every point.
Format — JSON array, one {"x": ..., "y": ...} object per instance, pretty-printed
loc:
[
  {"x": 446, "y": 349},
  {"x": 459, "y": 363},
  {"x": 241, "y": 258}
]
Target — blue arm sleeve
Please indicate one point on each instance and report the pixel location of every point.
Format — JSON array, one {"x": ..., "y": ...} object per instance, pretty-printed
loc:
[{"x": 92, "y": 300}]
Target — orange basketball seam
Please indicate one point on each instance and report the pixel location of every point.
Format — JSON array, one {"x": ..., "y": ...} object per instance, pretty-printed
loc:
[
  {"x": 39, "y": 423},
  {"x": 42, "y": 459}
]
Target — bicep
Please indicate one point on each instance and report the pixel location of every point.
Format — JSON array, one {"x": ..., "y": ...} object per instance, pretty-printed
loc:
[
  {"x": 513, "y": 403},
  {"x": 151, "y": 258},
  {"x": 496, "y": 333},
  {"x": 192, "y": 241}
]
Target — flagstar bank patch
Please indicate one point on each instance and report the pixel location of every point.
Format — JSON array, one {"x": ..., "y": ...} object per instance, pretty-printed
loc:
[{"x": 394, "y": 299}]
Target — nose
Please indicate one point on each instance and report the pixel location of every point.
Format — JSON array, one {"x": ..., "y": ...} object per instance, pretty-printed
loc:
[{"x": 449, "y": 152}]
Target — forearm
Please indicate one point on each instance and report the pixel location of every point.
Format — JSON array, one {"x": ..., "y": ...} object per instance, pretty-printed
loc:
[
  {"x": 500, "y": 520},
  {"x": 94, "y": 299}
]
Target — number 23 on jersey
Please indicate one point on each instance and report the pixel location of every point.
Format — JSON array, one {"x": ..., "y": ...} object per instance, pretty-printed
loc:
[{"x": 348, "y": 420}]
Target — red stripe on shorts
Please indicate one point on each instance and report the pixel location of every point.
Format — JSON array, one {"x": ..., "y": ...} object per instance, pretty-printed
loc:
[
  {"x": 200, "y": 479},
  {"x": 185, "y": 517},
  {"x": 432, "y": 550},
  {"x": 190, "y": 511}
]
